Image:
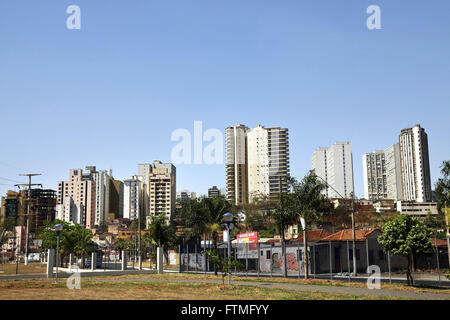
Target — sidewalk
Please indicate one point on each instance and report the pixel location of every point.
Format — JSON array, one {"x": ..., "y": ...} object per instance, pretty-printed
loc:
[{"x": 419, "y": 278}]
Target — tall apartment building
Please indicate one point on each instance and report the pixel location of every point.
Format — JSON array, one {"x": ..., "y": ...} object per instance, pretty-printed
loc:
[
  {"x": 70, "y": 211},
  {"x": 116, "y": 189},
  {"x": 375, "y": 181},
  {"x": 133, "y": 196},
  {"x": 185, "y": 195},
  {"x": 382, "y": 174},
  {"x": 160, "y": 188},
  {"x": 82, "y": 193},
  {"x": 415, "y": 164},
  {"x": 236, "y": 164},
  {"x": 393, "y": 172},
  {"x": 335, "y": 166},
  {"x": 213, "y": 191},
  {"x": 268, "y": 161},
  {"x": 14, "y": 206},
  {"x": 42, "y": 207},
  {"x": 102, "y": 184}
]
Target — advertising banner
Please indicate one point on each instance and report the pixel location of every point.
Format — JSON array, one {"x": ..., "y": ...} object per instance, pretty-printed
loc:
[{"x": 247, "y": 245}]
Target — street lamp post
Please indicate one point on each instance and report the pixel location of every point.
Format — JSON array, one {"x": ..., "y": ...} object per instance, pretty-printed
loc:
[
  {"x": 228, "y": 218},
  {"x": 58, "y": 228}
]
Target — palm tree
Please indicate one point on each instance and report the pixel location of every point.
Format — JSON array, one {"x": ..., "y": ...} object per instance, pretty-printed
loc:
[
  {"x": 121, "y": 245},
  {"x": 161, "y": 233},
  {"x": 284, "y": 217},
  {"x": 215, "y": 208},
  {"x": 308, "y": 203}
]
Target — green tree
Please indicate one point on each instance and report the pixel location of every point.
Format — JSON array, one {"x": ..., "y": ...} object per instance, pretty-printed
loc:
[
  {"x": 121, "y": 245},
  {"x": 306, "y": 201},
  {"x": 223, "y": 265},
  {"x": 406, "y": 236},
  {"x": 6, "y": 224},
  {"x": 285, "y": 216},
  {"x": 160, "y": 232},
  {"x": 442, "y": 188},
  {"x": 195, "y": 217},
  {"x": 258, "y": 215},
  {"x": 205, "y": 217},
  {"x": 73, "y": 239},
  {"x": 216, "y": 208}
]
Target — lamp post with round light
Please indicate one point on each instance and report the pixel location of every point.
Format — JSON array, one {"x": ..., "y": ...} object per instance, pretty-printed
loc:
[{"x": 228, "y": 218}]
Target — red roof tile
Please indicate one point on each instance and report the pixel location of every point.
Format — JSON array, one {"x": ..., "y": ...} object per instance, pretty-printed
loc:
[
  {"x": 347, "y": 235},
  {"x": 312, "y": 235}
]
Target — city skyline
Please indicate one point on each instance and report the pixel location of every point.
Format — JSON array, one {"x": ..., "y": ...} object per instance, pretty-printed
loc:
[
  {"x": 359, "y": 180},
  {"x": 91, "y": 94}
]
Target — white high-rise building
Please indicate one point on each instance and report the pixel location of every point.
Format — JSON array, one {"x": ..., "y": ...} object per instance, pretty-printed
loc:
[
  {"x": 185, "y": 195},
  {"x": 393, "y": 172},
  {"x": 415, "y": 164},
  {"x": 268, "y": 161},
  {"x": 374, "y": 170},
  {"x": 133, "y": 192},
  {"x": 335, "y": 166},
  {"x": 382, "y": 174},
  {"x": 69, "y": 211},
  {"x": 258, "y": 162},
  {"x": 101, "y": 179}
]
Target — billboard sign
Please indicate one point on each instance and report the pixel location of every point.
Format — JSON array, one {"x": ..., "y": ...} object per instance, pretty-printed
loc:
[{"x": 247, "y": 245}]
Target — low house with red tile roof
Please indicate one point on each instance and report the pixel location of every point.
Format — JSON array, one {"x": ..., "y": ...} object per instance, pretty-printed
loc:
[{"x": 339, "y": 246}]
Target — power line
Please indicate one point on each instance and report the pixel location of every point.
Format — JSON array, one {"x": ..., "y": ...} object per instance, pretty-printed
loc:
[{"x": 2, "y": 178}]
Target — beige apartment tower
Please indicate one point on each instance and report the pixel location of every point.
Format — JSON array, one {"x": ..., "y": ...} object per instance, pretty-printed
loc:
[
  {"x": 257, "y": 163},
  {"x": 236, "y": 164},
  {"x": 82, "y": 195},
  {"x": 160, "y": 188}
]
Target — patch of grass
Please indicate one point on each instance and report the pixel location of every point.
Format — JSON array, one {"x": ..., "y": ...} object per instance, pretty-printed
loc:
[
  {"x": 31, "y": 268},
  {"x": 135, "y": 290},
  {"x": 318, "y": 282}
]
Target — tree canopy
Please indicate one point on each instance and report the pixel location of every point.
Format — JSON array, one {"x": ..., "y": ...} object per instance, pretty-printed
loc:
[
  {"x": 405, "y": 235},
  {"x": 161, "y": 233}
]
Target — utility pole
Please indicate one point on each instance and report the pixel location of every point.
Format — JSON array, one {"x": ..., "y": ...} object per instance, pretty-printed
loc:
[
  {"x": 29, "y": 185},
  {"x": 354, "y": 237},
  {"x": 139, "y": 230},
  {"x": 353, "y": 225}
]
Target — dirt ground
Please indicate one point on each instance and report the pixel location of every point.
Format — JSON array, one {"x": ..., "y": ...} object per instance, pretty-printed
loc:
[
  {"x": 96, "y": 290},
  {"x": 31, "y": 268}
]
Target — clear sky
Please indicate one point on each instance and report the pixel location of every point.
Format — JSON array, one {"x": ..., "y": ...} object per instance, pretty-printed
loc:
[{"x": 112, "y": 93}]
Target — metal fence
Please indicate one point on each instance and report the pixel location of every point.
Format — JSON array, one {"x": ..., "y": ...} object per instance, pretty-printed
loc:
[{"x": 326, "y": 259}]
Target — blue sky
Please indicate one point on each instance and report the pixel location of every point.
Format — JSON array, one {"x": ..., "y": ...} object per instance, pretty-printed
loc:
[{"x": 112, "y": 93}]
